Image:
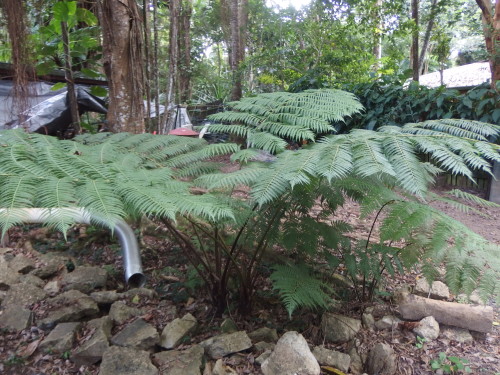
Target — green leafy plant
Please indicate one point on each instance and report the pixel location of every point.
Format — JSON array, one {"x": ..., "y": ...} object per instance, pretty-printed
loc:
[
  {"x": 450, "y": 364},
  {"x": 420, "y": 342},
  {"x": 284, "y": 217}
]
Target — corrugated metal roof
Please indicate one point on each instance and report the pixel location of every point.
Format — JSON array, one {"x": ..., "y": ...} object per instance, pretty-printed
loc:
[{"x": 464, "y": 76}]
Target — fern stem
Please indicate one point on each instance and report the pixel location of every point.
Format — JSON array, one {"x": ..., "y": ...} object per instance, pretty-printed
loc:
[{"x": 375, "y": 221}]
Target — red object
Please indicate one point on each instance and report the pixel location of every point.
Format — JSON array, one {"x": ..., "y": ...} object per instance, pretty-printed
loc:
[{"x": 184, "y": 132}]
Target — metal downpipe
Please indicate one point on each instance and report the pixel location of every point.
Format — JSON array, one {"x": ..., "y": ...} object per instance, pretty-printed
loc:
[{"x": 132, "y": 264}]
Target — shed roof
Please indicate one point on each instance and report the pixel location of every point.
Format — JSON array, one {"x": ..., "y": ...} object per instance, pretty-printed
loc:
[{"x": 465, "y": 76}]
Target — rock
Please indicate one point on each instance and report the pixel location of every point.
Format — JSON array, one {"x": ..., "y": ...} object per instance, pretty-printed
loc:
[
  {"x": 50, "y": 265},
  {"x": 381, "y": 360},
  {"x": 176, "y": 362},
  {"x": 175, "y": 330},
  {"x": 221, "y": 369},
  {"x": 126, "y": 361},
  {"x": 8, "y": 277},
  {"x": 120, "y": 312},
  {"x": 368, "y": 320},
  {"x": 141, "y": 292},
  {"x": 22, "y": 264},
  {"x": 228, "y": 326},
  {"x": 69, "y": 306},
  {"x": 261, "y": 358},
  {"x": 263, "y": 346},
  {"x": 332, "y": 358},
  {"x": 15, "y": 318},
  {"x": 291, "y": 356},
  {"x": 22, "y": 294},
  {"x": 460, "y": 335},
  {"x": 105, "y": 297},
  {"x": 222, "y": 345},
  {"x": 32, "y": 279},
  {"x": 356, "y": 361},
  {"x": 52, "y": 287},
  {"x": 138, "y": 334},
  {"x": 92, "y": 349},
  {"x": 85, "y": 279},
  {"x": 264, "y": 334},
  {"x": 427, "y": 328},
  {"x": 61, "y": 338},
  {"x": 438, "y": 290},
  {"x": 387, "y": 322},
  {"x": 473, "y": 298},
  {"x": 339, "y": 328}
]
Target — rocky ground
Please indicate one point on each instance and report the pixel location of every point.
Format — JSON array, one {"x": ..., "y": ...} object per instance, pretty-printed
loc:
[{"x": 66, "y": 310}]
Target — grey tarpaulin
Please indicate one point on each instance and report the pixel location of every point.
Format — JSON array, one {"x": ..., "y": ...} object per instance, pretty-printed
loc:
[{"x": 48, "y": 111}]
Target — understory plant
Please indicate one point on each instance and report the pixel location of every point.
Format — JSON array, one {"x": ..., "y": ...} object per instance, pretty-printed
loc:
[{"x": 234, "y": 227}]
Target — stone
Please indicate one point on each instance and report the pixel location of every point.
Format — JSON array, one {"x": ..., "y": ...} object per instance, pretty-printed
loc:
[
  {"x": 22, "y": 264},
  {"x": 22, "y": 294},
  {"x": 368, "y": 320},
  {"x": 85, "y": 279},
  {"x": 222, "y": 345},
  {"x": 474, "y": 298},
  {"x": 15, "y": 318},
  {"x": 264, "y": 334},
  {"x": 356, "y": 361},
  {"x": 174, "y": 331},
  {"x": 387, "y": 322},
  {"x": 460, "y": 335},
  {"x": 61, "y": 338},
  {"x": 120, "y": 312},
  {"x": 52, "y": 287},
  {"x": 338, "y": 328},
  {"x": 141, "y": 292},
  {"x": 69, "y": 306},
  {"x": 8, "y": 277},
  {"x": 438, "y": 290},
  {"x": 332, "y": 358},
  {"x": 126, "y": 361},
  {"x": 228, "y": 326},
  {"x": 139, "y": 334},
  {"x": 32, "y": 279},
  {"x": 427, "y": 328},
  {"x": 381, "y": 360},
  {"x": 291, "y": 356},
  {"x": 262, "y": 346},
  {"x": 91, "y": 350},
  {"x": 177, "y": 362},
  {"x": 221, "y": 369},
  {"x": 105, "y": 297},
  {"x": 261, "y": 358},
  {"x": 50, "y": 265}
]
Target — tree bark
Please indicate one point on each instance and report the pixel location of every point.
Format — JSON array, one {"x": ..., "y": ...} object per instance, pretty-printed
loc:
[
  {"x": 185, "y": 51},
  {"x": 491, "y": 27},
  {"x": 70, "y": 83},
  {"x": 475, "y": 317},
  {"x": 123, "y": 58},
  {"x": 377, "y": 35},
  {"x": 414, "y": 44},
  {"x": 427, "y": 36}
]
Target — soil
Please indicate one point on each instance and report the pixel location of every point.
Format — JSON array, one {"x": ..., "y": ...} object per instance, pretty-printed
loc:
[{"x": 168, "y": 274}]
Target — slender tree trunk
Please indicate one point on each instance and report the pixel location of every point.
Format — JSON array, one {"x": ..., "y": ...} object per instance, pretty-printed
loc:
[
  {"x": 427, "y": 36},
  {"x": 414, "y": 44},
  {"x": 238, "y": 25},
  {"x": 70, "y": 83},
  {"x": 185, "y": 50},
  {"x": 123, "y": 58},
  {"x": 377, "y": 35},
  {"x": 156, "y": 74},
  {"x": 170, "y": 103},
  {"x": 491, "y": 27},
  {"x": 147, "y": 61}
]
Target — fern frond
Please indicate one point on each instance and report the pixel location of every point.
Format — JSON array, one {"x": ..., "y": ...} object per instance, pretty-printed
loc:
[
  {"x": 298, "y": 288},
  {"x": 456, "y": 127},
  {"x": 246, "y": 176},
  {"x": 472, "y": 198},
  {"x": 334, "y": 157}
]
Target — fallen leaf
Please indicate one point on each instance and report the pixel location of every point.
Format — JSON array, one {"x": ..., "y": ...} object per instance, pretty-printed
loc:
[
  {"x": 135, "y": 299},
  {"x": 331, "y": 370},
  {"x": 30, "y": 349}
]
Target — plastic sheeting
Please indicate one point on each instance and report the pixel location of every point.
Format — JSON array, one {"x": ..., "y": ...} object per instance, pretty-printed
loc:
[{"x": 48, "y": 111}]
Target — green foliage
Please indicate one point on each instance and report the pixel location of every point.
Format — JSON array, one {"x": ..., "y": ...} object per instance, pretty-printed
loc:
[
  {"x": 390, "y": 102},
  {"x": 265, "y": 120},
  {"x": 450, "y": 364},
  {"x": 298, "y": 289}
]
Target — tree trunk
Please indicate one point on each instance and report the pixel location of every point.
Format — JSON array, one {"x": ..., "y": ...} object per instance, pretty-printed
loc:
[
  {"x": 236, "y": 91},
  {"x": 414, "y": 44},
  {"x": 185, "y": 51},
  {"x": 170, "y": 105},
  {"x": 70, "y": 83},
  {"x": 491, "y": 27},
  {"x": 147, "y": 61},
  {"x": 427, "y": 36},
  {"x": 377, "y": 35},
  {"x": 123, "y": 58}
]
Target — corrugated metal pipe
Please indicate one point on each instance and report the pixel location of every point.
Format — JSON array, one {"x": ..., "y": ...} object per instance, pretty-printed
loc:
[{"x": 126, "y": 237}]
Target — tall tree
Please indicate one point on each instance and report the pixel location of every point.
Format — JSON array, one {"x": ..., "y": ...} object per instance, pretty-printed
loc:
[
  {"x": 414, "y": 43},
  {"x": 123, "y": 58},
  {"x": 238, "y": 26},
  {"x": 491, "y": 23}
]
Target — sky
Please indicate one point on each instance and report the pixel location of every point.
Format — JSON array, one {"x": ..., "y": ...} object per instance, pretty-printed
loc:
[{"x": 285, "y": 3}]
